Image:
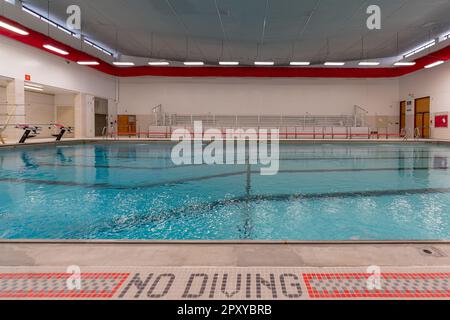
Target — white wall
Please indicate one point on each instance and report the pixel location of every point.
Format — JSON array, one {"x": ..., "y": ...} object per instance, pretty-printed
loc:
[
  {"x": 258, "y": 96},
  {"x": 2, "y": 95},
  {"x": 65, "y": 111},
  {"x": 434, "y": 83},
  {"x": 17, "y": 59},
  {"x": 40, "y": 109}
]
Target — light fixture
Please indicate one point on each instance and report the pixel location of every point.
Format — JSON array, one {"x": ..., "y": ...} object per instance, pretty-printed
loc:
[
  {"x": 423, "y": 47},
  {"x": 30, "y": 12},
  {"x": 404, "y": 64},
  {"x": 228, "y": 63},
  {"x": 33, "y": 88},
  {"x": 55, "y": 49},
  {"x": 33, "y": 85},
  {"x": 194, "y": 63},
  {"x": 123, "y": 64},
  {"x": 294, "y": 63},
  {"x": 334, "y": 63},
  {"x": 434, "y": 64},
  {"x": 369, "y": 63},
  {"x": 264, "y": 63},
  {"x": 13, "y": 29},
  {"x": 88, "y": 63},
  {"x": 49, "y": 22},
  {"x": 158, "y": 63}
]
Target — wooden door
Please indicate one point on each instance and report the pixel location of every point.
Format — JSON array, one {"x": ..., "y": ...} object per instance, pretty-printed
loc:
[
  {"x": 402, "y": 116},
  {"x": 422, "y": 117},
  {"x": 126, "y": 125}
]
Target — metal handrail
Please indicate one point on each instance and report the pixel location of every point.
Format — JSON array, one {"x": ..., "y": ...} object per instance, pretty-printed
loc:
[
  {"x": 267, "y": 120},
  {"x": 104, "y": 132},
  {"x": 417, "y": 133}
]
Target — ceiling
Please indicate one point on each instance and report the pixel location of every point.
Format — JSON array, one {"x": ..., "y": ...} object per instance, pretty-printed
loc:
[{"x": 250, "y": 30}]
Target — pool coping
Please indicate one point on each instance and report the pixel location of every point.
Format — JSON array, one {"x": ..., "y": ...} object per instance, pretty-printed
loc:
[
  {"x": 169, "y": 141},
  {"x": 224, "y": 242}
]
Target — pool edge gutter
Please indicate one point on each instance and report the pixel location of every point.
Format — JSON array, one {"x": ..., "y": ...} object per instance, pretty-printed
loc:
[{"x": 224, "y": 242}]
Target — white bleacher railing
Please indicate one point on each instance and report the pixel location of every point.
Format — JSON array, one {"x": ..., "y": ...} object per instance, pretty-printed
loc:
[
  {"x": 291, "y": 127},
  {"x": 239, "y": 121},
  {"x": 285, "y": 133}
]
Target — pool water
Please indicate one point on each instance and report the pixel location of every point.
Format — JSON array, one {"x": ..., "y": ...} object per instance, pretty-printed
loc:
[{"x": 134, "y": 191}]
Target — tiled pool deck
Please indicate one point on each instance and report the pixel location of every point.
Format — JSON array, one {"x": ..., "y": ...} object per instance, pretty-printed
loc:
[{"x": 204, "y": 271}]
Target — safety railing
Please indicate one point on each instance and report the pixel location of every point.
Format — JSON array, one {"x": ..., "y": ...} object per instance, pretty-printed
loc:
[
  {"x": 285, "y": 133},
  {"x": 239, "y": 121}
]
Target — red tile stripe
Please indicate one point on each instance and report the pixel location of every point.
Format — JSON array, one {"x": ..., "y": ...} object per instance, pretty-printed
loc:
[
  {"x": 29, "y": 292},
  {"x": 345, "y": 292}
]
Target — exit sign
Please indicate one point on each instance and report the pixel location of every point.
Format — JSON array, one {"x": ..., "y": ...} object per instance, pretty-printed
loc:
[{"x": 27, "y": 77}]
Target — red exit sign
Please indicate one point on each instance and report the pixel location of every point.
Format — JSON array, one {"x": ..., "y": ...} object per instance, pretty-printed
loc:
[{"x": 27, "y": 77}]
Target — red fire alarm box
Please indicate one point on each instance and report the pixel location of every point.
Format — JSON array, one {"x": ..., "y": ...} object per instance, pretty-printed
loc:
[
  {"x": 27, "y": 77},
  {"x": 441, "y": 121}
]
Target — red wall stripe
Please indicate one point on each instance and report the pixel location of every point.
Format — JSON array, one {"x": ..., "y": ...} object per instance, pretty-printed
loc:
[{"x": 37, "y": 40}]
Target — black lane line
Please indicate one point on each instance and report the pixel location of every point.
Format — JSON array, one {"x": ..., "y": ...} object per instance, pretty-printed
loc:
[
  {"x": 355, "y": 157},
  {"x": 323, "y": 149},
  {"x": 56, "y": 165},
  {"x": 45, "y": 164},
  {"x": 101, "y": 166},
  {"x": 361, "y": 158},
  {"x": 57, "y": 183},
  {"x": 202, "y": 178},
  {"x": 313, "y": 196},
  {"x": 181, "y": 181},
  {"x": 154, "y": 217}
]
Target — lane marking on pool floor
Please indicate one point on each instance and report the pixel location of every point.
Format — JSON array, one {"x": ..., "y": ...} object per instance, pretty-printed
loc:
[{"x": 224, "y": 283}]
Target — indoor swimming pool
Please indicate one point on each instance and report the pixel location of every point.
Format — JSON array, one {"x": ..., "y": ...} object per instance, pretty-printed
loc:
[{"x": 133, "y": 191}]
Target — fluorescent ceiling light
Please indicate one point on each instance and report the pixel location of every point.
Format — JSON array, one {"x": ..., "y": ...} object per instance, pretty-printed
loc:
[
  {"x": 421, "y": 48},
  {"x": 300, "y": 63},
  {"x": 369, "y": 63},
  {"x": 33, "y": 85},
  {"x": 334, "y": 63},
  {"x": 434, "y": 64},
  {"x": 49, "y": 22},
  {"x": 264, "y": 63},
  {"x": 33, "y": 88},
  {"x": 123, "y": 64},
  {"x": 444, "y": 37},
  {"x": 13, "y": 29},
  {"x": 30, "y": 12},
  {"x": 65, "y": 30},
  {"x": 88, "y": 63},
  {"x": 229, "y": 63},
  {"x": 55, "y": 49},
  {"x": 194, "y": 63},
  {"x": 158, "y": 63},
  {"x": 404, "y": 64}
]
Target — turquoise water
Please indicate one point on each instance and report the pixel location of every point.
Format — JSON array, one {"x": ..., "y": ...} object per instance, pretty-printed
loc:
[{"x": 134, "y": 191}]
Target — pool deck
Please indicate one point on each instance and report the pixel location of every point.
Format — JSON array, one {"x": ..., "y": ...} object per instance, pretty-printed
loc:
[
  {"x": 198, "y": 271},
  {"x": 214, "y": 254}
]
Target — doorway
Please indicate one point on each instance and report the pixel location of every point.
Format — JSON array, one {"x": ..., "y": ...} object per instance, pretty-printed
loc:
[
  {"x": 101, "y": 116},
  {"x": 126, "y": 125},
  {"x": 422, "y": 117}
]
